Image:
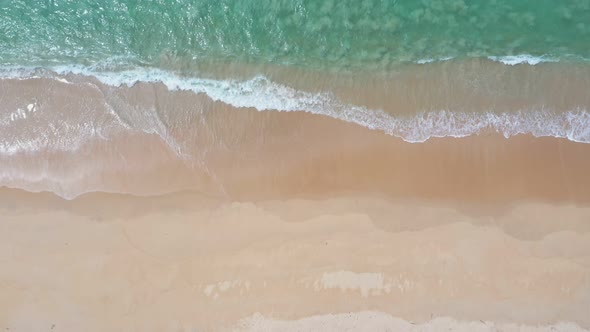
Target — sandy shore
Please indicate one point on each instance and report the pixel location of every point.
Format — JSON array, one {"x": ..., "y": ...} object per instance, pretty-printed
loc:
[
  {"x": 186, "y": 214},
  {"x": 189, "y": 263},
  {"x": 72, "y": 135}
]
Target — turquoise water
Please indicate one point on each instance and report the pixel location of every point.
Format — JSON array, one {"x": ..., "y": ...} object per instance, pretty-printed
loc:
[{"x": 311, "y": 33}]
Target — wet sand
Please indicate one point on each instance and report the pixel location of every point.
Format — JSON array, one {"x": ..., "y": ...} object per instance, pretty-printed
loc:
[
  {"x": 76, "y": 135},
  {"x": 244, "y": 154}
]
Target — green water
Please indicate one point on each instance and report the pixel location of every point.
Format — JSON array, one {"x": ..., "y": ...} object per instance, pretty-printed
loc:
[{"x": 313, "y": 33}]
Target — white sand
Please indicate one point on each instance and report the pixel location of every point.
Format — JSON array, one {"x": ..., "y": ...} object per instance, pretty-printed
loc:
[{"x": 180, "y": 267}]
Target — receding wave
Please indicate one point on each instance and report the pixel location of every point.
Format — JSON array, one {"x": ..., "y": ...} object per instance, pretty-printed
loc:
[
  {"x": 522, "y": 59},
  {"x": 263, "y": 94}
]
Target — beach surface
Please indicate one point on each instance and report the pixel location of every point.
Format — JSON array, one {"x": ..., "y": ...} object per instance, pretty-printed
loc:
[
  {"x": 242, "y": 220},
  {"x": 184, "y": 262},
  {"x": 307, "y": 231}
]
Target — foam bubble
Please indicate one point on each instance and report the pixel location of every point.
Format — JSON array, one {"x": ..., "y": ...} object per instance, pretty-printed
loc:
[
  {"x": 528, "y": 59},
  {"x": 429, "y": 60}
]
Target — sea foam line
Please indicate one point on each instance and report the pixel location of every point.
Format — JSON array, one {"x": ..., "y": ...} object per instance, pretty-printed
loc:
[
  {"x": 262, "y": 94},
  {"x": 528, "y": 59},
  {"x": 510, "y": 60}
]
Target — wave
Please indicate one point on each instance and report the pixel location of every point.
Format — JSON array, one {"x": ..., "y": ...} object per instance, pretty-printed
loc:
[
  {"x": 431, "y": 60},
  {"x": 528, "y": 59},
  {"x": 89, "y": 127},
  {"x": 510, "y": 60},
  {"x": 262, "y": 94}
]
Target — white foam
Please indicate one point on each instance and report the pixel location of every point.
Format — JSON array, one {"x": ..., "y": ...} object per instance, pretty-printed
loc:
[
  {"x": 430, "y": 60},
  {"x": 264, "y": 95},
  {"x": 528, "y": 59}
]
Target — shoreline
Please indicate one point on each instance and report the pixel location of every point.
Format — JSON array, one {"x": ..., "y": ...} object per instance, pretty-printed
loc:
[
  {"x": 76, "y": 135},
  {"x": 244, "y": 154}
]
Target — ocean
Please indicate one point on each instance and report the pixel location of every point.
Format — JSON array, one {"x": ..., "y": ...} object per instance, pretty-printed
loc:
[{"x": 311, "y": 34}]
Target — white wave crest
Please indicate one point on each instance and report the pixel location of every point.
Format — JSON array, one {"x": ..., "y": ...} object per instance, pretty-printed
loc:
[
  {"x": 431, "y": 60},
  {"x": 265, "y": 95},
  {"x": 528, "y": 59}
]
